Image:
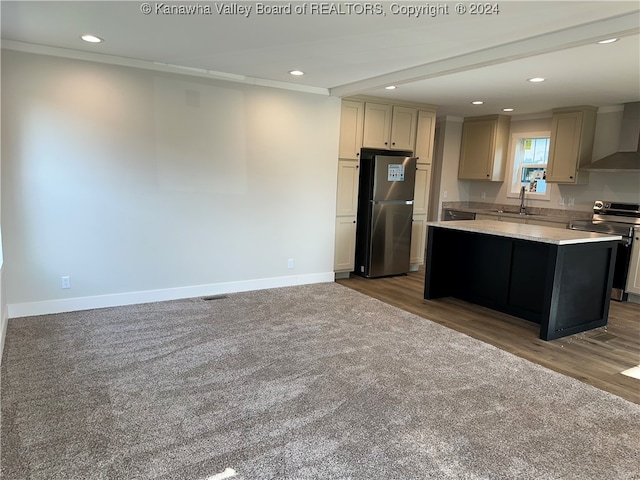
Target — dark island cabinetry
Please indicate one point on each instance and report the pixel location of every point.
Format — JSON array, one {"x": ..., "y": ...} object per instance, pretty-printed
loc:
[{"x": 561, "y": 281}]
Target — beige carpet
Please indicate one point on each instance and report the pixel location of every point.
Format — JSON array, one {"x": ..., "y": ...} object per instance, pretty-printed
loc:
[{"x": 309, "y": 382}]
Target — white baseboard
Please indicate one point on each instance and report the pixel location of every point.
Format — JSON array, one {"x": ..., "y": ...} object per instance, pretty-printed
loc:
[{"x": 30, "y": 309}]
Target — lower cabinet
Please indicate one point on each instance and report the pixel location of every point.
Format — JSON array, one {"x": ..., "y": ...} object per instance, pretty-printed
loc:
[
  {"x": 418, "y": 239},
  {"x": 345, "y": 245},
  {"x": 420, "y": 210},
  {"x": 633, "y": 279}
]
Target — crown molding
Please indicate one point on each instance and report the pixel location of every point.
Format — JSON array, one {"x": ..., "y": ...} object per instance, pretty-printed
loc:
[{"x": 157, "y": 66}]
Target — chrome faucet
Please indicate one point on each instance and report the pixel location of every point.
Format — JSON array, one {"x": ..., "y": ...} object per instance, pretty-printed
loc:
[{"x": 523, "y": 210}]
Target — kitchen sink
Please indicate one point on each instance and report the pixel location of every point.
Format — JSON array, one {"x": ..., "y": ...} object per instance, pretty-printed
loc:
[
  {"x": 515, "y": 214},
  {"x": 502, "y": 212}
]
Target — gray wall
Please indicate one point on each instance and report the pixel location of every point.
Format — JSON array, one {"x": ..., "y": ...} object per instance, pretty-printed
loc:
[{"x": 133, "y": 181}]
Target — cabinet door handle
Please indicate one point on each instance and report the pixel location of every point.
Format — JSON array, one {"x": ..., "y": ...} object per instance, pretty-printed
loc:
[
  {"x": 393, "y": 143},
  {"x": 571, "y": 177},
  {"x": 354, "y": 221},
  {"x": 487, "y": 175},
  {"x": 358, "y": 154}
]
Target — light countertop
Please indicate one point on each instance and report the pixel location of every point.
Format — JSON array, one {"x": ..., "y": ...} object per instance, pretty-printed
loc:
[{"x": 536, "y": 233}]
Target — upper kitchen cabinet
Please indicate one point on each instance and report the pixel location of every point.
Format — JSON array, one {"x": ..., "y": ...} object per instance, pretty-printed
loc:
[
  {"x": 571, "y": 147},
  {"x": 425, "y": 135},
  {"x": 351, "y": 124},
  {"x": 403, "y": 128},
  {"x": 389, "y": 126},
  {"x": 485, "y": 142}
]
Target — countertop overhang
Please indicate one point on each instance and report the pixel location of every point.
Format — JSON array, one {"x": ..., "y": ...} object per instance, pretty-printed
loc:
[{"x": 535, "y": 233}]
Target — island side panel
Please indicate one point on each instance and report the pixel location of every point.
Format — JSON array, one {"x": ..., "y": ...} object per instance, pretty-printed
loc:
[
  {"x": 485, "y": 269},
  {"x": 531, "y": 279},
  {"x": 581, "y": 291},
  {"x": 442, "y": 263}
]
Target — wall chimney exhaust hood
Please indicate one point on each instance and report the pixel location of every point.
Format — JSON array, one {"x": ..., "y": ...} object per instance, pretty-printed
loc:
[{"x": 627, "y": 158}]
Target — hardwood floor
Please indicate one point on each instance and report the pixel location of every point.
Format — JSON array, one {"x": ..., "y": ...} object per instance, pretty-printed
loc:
[{"x": 595, "y": 357}]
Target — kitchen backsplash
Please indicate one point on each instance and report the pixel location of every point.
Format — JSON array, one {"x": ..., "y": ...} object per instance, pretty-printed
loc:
[{"x": 550, "y": 212}]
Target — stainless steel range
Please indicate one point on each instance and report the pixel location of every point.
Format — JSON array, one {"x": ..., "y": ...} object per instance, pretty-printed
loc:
[{"x": 617, "y": 219}]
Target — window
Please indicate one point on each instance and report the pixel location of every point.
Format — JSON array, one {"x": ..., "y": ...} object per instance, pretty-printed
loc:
[{"x": 529, "y": 154}]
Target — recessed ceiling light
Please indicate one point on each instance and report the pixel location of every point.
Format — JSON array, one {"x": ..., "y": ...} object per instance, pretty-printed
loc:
[
  {"x": 91, "y": 38},
  {"x": 477, "y": 102},
  {"x": 608, "y": 40},
  {"x": 391, "y": 87},
  {"x": 507, "y": 109},
  {"x": 297, "y": 73},
  {"x": 536, "y": 79}
]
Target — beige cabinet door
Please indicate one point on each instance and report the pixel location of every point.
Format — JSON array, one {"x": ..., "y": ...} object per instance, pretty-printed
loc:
[
  {"x": 345, "y": 244},
  {"x": 483, "y": 153},
  {"x": 633, "y": 279},
  {"x": 572, "y": 136},
  {"x": 422, "y": 189},
  {"x": 478, "y": 139},
  {"x": 425, "y": 136},
  {"x": 347, "y": 195},
  {"x": 418, "y": 240},
  {"x": 377, "y": 125},
  {"x": 564, "y": 148},
  {"x": 351, "y": 129},
  {"x": 403, "y": 128}
]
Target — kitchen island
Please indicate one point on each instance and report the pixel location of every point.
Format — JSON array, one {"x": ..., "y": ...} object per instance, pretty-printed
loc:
[{"x": 559, "y": 279}]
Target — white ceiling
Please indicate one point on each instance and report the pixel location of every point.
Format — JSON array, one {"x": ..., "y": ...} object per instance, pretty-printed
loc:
[{"x": 445, "y": 60}]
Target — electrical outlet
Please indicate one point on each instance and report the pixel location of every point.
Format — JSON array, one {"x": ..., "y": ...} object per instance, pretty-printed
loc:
[
  {"x": 445, "y": 194},
  {"x": 561, "y": 202},
  {"x": 483, "y": 195},
  {"x": 65, "y": 282},
  {"x": 572, "y": 202},
  {"x": 290, "y": 263}
]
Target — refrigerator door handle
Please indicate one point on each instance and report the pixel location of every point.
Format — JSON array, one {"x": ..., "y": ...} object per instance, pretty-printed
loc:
[{"x": 391, "y": 202}]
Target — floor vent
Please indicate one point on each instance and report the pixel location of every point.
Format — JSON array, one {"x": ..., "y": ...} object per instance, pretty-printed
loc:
[{"x": 215, "y": 297}]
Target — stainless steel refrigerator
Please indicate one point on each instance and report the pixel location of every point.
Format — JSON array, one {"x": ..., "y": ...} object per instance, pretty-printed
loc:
[{"x": 385, "y": 211}]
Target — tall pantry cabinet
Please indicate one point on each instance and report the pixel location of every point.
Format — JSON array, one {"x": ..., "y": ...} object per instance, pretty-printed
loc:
[
  {"x": 426, "y": 125},
  {"x": 375, "y": 123},
  {"x": 351, "y": 128}
]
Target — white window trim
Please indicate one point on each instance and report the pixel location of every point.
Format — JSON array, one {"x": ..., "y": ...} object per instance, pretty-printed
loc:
[{"x": 515, "y": 138}]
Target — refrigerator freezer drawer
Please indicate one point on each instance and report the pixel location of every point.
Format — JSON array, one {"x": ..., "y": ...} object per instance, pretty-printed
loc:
[
  {"x": 394, "y": 178},
  {"x": 390, "y": 246}
]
